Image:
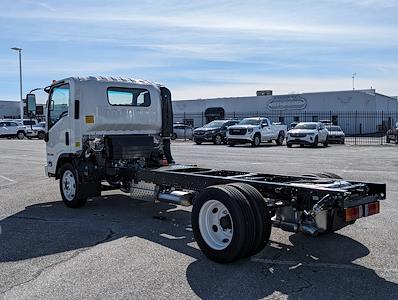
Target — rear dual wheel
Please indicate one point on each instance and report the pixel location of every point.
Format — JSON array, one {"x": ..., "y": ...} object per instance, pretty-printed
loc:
[{"x": 230, "y": 222}]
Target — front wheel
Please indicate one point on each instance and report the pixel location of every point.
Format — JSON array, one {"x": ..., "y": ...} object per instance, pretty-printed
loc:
[
  {"x": 70, "y": 188},
  {"x": 174, "y": 136},
  {"x": 256, "y": 141},
  {"x": 217, "y": 140},
  {"x": 289, "y": 145},
  {"x": 198, "y": 142}
]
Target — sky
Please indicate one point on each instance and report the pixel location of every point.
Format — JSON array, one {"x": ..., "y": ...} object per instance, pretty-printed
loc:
[{"x": 203, "y": 48}]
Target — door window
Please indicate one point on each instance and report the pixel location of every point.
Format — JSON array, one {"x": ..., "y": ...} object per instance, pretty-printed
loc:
[{"x": 59, "y": 104}]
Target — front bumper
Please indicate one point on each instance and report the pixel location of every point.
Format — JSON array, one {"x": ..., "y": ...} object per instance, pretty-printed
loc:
[
  {"x": 203, "y": 137},
  {"x": 307, "y": 140},
  {"x": 31, "y": 133},
  {"x": 248, "y": 138}
]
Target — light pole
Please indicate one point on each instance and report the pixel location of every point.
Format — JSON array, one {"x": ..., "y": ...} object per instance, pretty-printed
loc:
[
  {"x": 20, "y": 80},
  {"x": 353, "y": 80}
]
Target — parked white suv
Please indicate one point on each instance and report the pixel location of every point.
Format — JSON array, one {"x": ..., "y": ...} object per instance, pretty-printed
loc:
[
  {"x": 307, "y": 133},
  {"x": 255, "y": 131},
  {"x": 12, "y": 129}
]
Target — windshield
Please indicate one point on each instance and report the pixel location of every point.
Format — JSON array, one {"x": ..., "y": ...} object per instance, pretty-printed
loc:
[
  {"x": 250, "y": 122},
  {"x": 214, "y": 124},
  {"x": 334, "y": 128},
  {"x": 305, "y": 126}
]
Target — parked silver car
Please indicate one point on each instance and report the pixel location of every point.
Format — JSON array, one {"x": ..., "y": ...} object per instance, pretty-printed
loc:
[
  {"x": 182, "y": 131},
  {"x": 335, "y": 134}
]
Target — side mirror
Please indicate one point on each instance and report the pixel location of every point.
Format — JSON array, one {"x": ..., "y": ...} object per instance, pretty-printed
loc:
[{"x": 31, "y": 104}]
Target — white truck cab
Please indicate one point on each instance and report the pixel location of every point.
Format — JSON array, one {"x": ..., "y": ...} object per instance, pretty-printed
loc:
[
  {"x": 98, "y": 126},
  {"x": 255, "y": 131}
]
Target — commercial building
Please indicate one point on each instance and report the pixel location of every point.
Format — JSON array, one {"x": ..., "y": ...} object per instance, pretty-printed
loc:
[
  {"x": 356, "y": 111},
  {"x": 11, "y": 110}
]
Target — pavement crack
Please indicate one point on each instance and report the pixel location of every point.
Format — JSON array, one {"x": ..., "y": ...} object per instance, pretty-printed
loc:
[{"x": 109, "y": 236}]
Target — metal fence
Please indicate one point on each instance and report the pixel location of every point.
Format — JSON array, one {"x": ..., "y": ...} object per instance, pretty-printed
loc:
[{"x": 359, "y": 127}]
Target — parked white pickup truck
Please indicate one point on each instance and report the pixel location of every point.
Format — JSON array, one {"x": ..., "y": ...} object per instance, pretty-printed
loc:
[{"x": 255, "y": 131}]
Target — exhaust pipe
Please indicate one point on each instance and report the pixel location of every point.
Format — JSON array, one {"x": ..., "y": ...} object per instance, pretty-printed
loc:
[{"x": 176, "y": 197}]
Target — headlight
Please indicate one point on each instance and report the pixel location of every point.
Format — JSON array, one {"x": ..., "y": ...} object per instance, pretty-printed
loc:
[{"x": 249, "y": 130}]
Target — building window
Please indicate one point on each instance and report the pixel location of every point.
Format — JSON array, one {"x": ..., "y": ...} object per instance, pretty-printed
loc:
[
  {"x": 296, "y": 119},
  {"x": 335, "y": 120},
  {"x": 315, "y": 118}
]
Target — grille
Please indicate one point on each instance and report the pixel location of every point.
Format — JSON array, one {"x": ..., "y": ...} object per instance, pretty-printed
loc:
[
  {"x": 237, "y": 131},
  {"x": 297, "y": 134}
]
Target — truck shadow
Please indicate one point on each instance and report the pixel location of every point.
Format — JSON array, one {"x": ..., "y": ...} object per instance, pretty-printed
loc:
[{"x": 320, "y": 267}]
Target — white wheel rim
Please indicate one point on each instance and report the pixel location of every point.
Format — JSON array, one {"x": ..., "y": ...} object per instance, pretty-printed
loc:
[
  {"x": 69, "y": 185},
  {"x": 256, "y": 140},
  {"x": 218, "y": 139},
  {"x": 215, "y": 225}
]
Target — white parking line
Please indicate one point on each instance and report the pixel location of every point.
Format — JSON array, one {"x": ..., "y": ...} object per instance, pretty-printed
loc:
[
  {"x": 10, "y": 181},
  {"x": 296, "y": 264}
]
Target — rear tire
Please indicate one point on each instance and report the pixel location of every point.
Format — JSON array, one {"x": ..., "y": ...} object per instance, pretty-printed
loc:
[
  {"x": 41, "y": 135},
  {"x": 315, "y": 144},
  {"x": 280, "y": 139},
  {"x": 289, "y": 145},
  {"x": 223, "y": 223},
  {"x": 198, "y": 142},
  {"x": 20, "y": 135},
  {"x": 262, "y": 219},
  {"x": 326, "y": 143},
  {"x": 70, "y": 188}
]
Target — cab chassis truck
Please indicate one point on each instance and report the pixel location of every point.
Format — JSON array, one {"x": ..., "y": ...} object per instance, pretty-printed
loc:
[{"x": 114, "y": 133}]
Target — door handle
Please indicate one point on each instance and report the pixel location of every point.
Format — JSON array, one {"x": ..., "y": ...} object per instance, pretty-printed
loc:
[{"x": 67, "y": 138}]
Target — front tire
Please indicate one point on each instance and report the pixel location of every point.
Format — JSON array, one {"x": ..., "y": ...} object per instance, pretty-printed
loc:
[
  {"x": 256, "y": 141},
  {"x": 173, "y": 136},
  {"x": 198, "y": 142},
  {"x": 289, "y": 145},
  {"x": 217, "y": 140},
  {"x": 70, "y": 188}
]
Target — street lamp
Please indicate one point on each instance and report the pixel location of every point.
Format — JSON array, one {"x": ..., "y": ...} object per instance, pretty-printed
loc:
[
  {"x": 20, "y": 80},
  {"x": 353, "y": 80}
]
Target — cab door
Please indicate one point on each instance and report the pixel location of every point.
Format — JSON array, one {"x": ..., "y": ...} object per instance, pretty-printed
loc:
[
  {"x": 58, "y": 124},
  {"x": 266, "y": 131}
]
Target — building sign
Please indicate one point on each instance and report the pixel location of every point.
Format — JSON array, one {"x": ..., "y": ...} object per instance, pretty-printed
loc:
[{"x": 287, "y": 102}]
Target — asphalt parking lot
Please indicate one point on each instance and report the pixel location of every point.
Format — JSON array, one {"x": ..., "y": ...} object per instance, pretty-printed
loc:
[{"x": 117, "y": 247}]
